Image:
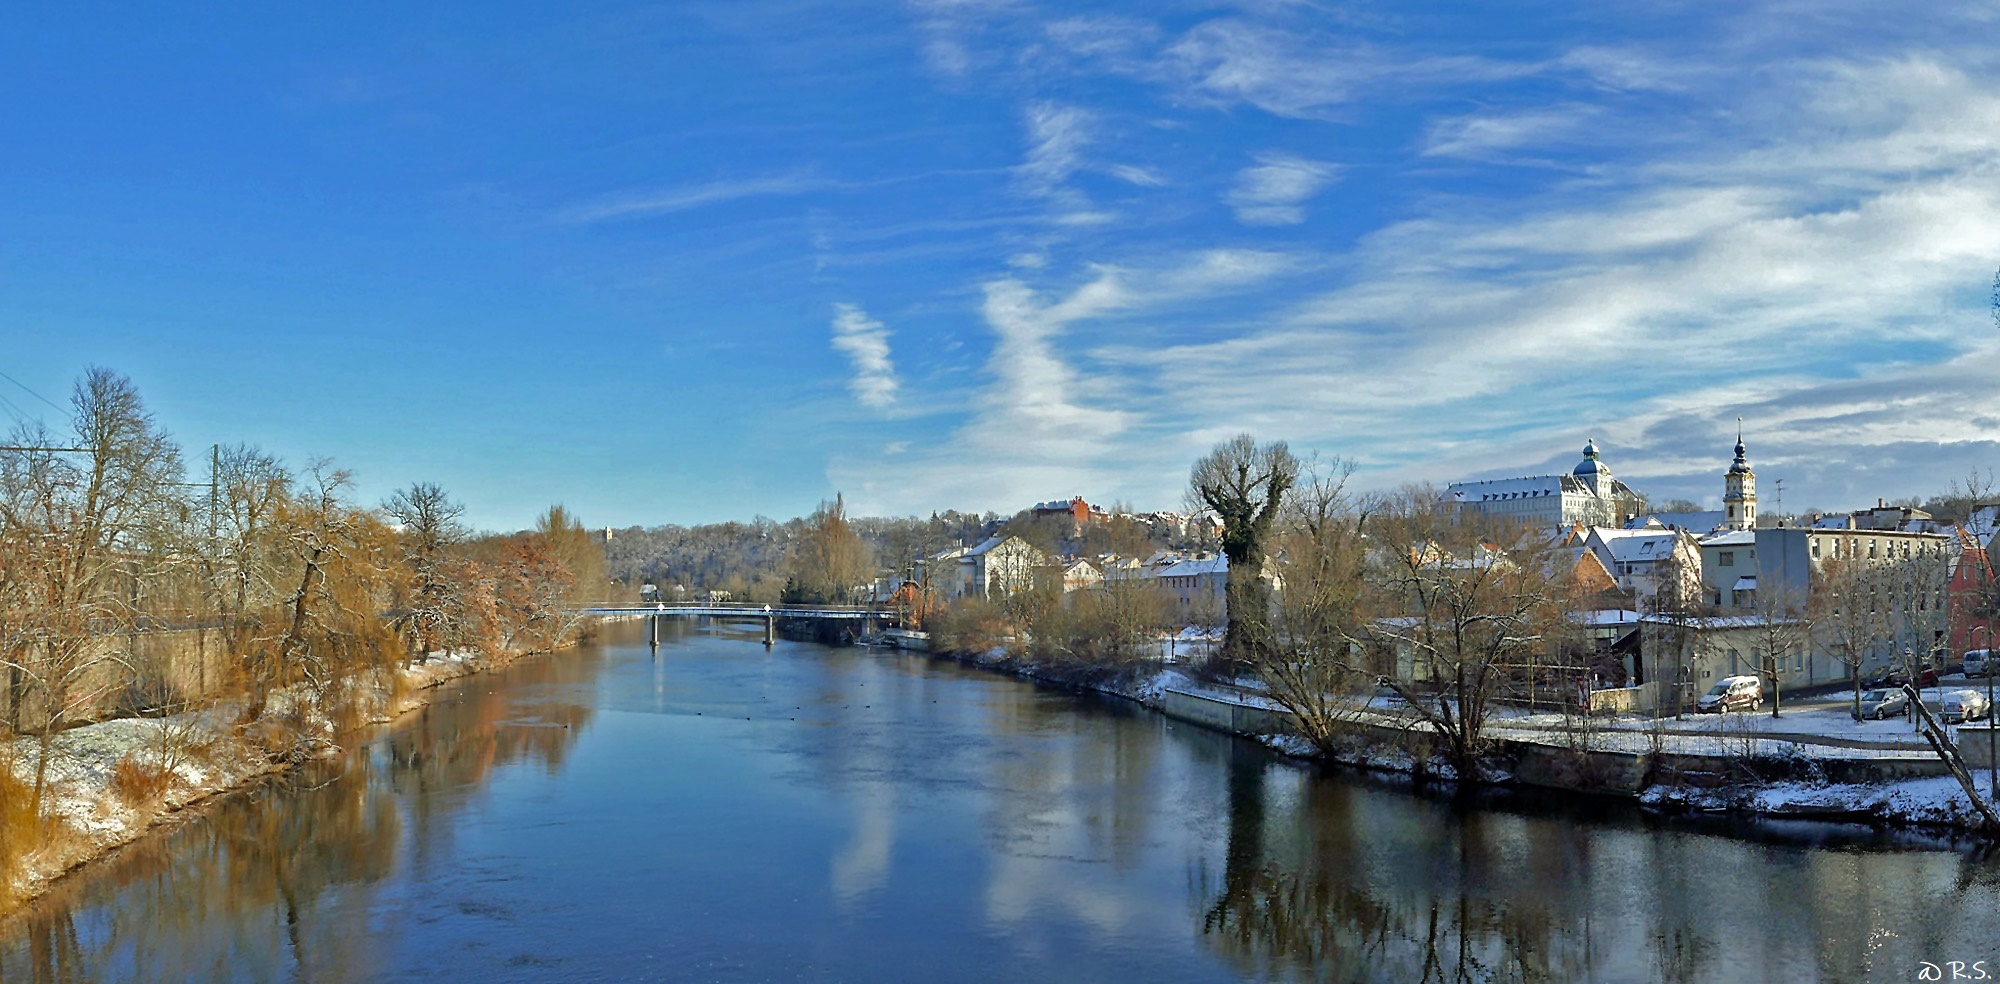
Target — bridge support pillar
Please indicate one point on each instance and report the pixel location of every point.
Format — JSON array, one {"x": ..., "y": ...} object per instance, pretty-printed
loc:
[{"x": 770, "y": 630}]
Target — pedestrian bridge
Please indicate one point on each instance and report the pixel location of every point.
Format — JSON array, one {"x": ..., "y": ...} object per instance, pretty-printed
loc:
[
  {"x": 740, "y": 610},
  {"x": 767, "y": 614}
]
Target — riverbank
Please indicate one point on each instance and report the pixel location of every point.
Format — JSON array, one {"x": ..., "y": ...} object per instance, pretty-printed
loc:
[
  {"x": 1681, "y": 767},
  {"x": 114, "y": 782}
]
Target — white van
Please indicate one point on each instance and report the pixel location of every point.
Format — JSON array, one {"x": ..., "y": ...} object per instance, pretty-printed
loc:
[
  {"x": 1979, "y": 662},
  {"x": 1732, "y": 694}
]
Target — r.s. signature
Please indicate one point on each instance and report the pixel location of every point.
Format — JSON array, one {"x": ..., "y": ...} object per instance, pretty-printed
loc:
[{"x": 1953, "y": 970}]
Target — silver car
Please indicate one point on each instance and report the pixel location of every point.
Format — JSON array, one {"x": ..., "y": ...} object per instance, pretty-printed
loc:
[
  {"x": 1882, "y": 704},
  {"x": 1964, "y": 705}
]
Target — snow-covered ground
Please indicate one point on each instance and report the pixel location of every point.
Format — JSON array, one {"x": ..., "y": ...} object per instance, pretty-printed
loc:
[
  {"x": 1939, "y": 800},
  {"x": 201, "y": 752}
]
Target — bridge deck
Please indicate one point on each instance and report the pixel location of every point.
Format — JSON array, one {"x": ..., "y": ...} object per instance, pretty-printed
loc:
[{"x": 738, "y": 611}]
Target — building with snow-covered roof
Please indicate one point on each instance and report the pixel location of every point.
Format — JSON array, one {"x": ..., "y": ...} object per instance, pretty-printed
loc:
[
  {"x": 1197, "y": 586},
  {"x": 1639, "y": 561},
  {"x": 1587, "y": 496},
  {"x": 1699, "y": 522}
]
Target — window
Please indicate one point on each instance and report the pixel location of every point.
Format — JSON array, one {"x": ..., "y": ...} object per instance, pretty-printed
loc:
[
  {"x": 1726, "y": 558},
  {"x": 1815, "y": 548}
]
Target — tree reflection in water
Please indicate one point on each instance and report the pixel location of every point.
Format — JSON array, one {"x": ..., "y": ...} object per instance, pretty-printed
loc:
[
  {"x": 256, "y": 891},
  {"x": 1323, "y": 889}
]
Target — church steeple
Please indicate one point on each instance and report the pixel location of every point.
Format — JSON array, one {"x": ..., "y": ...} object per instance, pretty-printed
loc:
[{"x": 1739, "y": 489}]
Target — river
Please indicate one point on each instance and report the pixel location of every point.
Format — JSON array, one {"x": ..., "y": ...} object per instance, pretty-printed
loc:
[{"x": 720, "y": 812}]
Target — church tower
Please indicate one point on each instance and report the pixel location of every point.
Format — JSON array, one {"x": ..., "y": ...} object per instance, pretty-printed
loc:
[{"x": 1739, "y": 490}]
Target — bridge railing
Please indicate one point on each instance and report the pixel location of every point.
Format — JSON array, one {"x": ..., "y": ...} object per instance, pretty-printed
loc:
[{"x": 744, "y": 608}]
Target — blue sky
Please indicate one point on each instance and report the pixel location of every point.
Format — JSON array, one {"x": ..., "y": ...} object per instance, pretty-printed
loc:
[{"x": 700, "y": 261}]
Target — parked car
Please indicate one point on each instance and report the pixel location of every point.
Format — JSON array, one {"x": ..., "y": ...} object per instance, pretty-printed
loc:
[
  {"x": 1979, "y": 662},
  {"x": 1879, "y": 705},
  {"x": 1927, "y": 676},
  {"x": 1964, "y": 705},
  {"x": 1732, "y": 694}
]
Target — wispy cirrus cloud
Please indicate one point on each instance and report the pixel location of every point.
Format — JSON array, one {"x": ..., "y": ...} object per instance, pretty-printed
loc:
[
  {"x": 689, "y": 197},
  {"x": 1048, "y": 416},
  {"x": 1057, "y": 137},
  {"x": 1833, "y": 263},
  {"x": 865, "y": 342},
  {"x": 1488, "y": 135},
  {"x": 1274, "y": 191}
]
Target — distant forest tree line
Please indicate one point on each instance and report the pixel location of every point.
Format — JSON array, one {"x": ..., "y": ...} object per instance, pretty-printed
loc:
[{"x": 829, "y": 557}]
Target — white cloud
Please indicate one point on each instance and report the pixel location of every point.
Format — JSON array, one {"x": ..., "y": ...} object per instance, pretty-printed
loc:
[
  {"x": 1275, "y": 190},
  {"x": 866, "y": 344},
  {"x": 1057, "y": 136},
  {"x": 1133, "y": 174},
  {"x": 1046, "y": 419},
  {"x": 696, "y": 196},
  {"x": 1305, "y": 74},
  {"x": 1484, "y": 135},
  {"x": 1853, "y": 243}
]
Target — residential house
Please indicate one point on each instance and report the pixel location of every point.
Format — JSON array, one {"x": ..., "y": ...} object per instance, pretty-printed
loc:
[
  {"x": 996, "y": 566},
  {"x": 1001, "y": 565},
  {"x": 1640, "y": 560},
  {"x": 1197, "y": 588},
  {"x": 1080, "y": 574}
]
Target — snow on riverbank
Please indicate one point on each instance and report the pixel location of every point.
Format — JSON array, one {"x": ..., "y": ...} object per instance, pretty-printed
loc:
[
  {"x": 192, "y": 756},
  {"x": 1927, "y": 800}
]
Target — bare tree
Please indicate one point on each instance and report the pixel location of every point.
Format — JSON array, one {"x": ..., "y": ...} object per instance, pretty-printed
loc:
[
  {"x": 329, "y": 628},
  {"x": 1469, "y": 605},
  {"x": 430, "y": 525},
  {"x": 829, "y": 561},
  {"x": 247, "y": 549},
  {"x": 1850, "y": 615},
  {"x": 1312, "y": 670},
  {"x": 1244, "y": 483},
  {"x": 1783, "y": 626},
  {"x": 73, "y": 518}
]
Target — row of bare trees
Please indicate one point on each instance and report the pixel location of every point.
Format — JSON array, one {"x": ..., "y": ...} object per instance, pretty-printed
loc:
[
  {"x": 306, "y": 593},
  {"x": 1396, "y": 591},
  {"x": 1449, "y": 610}
]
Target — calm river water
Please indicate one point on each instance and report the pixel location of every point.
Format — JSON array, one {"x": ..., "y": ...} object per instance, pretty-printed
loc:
[{"x": 722, "y": 813}]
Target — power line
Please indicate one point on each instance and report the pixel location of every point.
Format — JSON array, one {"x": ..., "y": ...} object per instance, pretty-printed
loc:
[{"x": 31, "y": 392}]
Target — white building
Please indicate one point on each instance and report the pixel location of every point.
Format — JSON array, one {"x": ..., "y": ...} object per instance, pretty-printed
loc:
[
  {"x": 1587, "y": 496},
  {"x": 998, "y": 566}
]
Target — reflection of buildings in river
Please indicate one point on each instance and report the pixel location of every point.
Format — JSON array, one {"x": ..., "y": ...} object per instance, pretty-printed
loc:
[
  {"x": 1074, "y": 787},
  {"x": 862, "y": 866}
]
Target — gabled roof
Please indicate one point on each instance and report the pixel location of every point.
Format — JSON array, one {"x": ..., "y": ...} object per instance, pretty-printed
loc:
[
  {"x": 1700, "y": 521},
  {"x": 1640, "y": 546},
  {"x": 1733, "y": 538},
  {"x": 1196, "y": 568}
]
